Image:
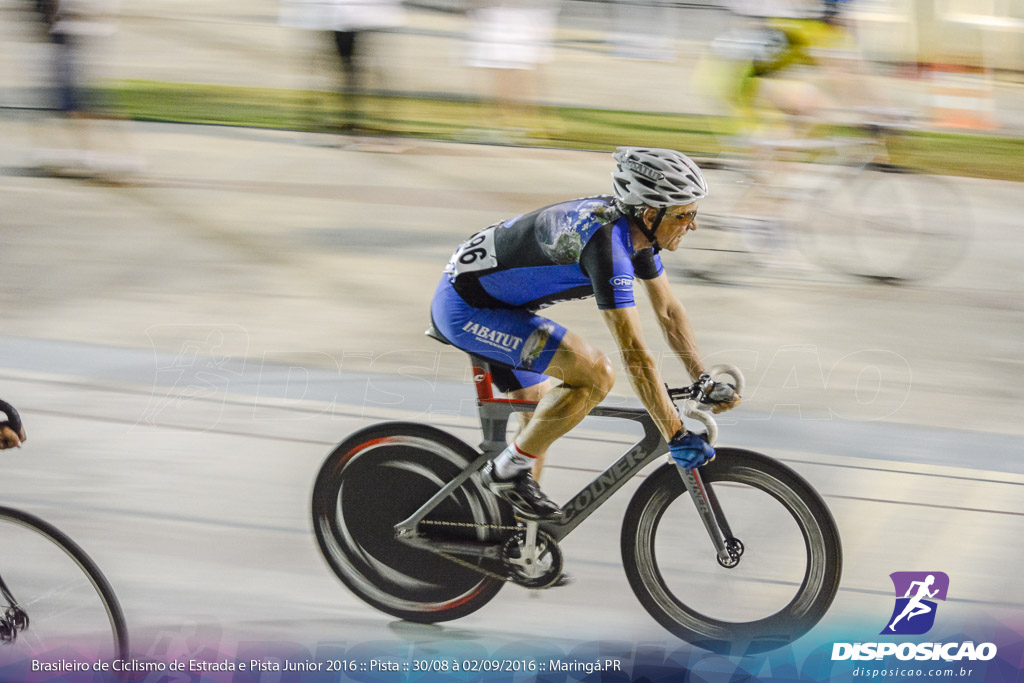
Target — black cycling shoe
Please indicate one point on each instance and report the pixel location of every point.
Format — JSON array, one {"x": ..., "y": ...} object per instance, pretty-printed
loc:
[{"x": 522, "y": 492}]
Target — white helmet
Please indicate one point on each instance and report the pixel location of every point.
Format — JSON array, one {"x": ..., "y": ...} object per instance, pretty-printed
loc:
[{"x": 657, "y": 177}]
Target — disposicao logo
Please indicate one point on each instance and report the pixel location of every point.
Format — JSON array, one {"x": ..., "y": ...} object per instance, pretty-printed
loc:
[
  {"x": 916, "y": 593},
  {"x": 914, "y": 614}
]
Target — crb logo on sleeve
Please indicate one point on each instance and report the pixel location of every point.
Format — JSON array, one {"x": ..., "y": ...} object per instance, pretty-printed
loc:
[{"x": 622, "y": 282}]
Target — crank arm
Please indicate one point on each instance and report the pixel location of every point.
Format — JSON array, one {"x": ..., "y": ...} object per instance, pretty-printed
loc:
[
  {"x": 530, "y": 546},
  {"x": 528, "y": 551},
  {"x": 711, "y": 514}
]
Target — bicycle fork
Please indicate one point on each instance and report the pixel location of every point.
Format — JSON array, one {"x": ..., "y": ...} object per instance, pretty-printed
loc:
[{"x": 728, "y": 549}]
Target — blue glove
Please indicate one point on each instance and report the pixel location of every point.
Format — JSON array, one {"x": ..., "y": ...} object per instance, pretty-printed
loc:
[{"x": 689, "y": 450}]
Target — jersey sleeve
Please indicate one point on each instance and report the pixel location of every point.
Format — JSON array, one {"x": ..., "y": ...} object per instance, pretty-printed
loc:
[
  {"x": 647, "y": 264},
  {"x": 605, "y": 261}
]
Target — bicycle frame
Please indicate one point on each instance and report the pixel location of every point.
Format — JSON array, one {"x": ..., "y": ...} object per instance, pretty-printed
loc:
[{"x": 494, "y": 416}]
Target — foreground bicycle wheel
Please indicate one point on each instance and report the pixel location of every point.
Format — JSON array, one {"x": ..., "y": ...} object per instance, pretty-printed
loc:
[
  {"x": 65, "y": 607},
  {"x": 786, "y": 578},
  {"x": 377, "y": 478}
]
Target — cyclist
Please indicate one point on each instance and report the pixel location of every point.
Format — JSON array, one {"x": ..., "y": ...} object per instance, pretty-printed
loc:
[
  {"x": 8, "y": 437},
  {"x": 495, "y": 282},
  {"x": 759, "y": 64}
]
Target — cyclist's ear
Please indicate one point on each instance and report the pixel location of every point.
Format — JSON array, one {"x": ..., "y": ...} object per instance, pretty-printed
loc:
[{"x": 648, "y": 216}]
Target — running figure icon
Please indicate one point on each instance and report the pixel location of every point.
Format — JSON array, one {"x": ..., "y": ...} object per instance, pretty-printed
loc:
[
  {"x": 915, "y": 607},
  {"x": 919, "y": 590}
]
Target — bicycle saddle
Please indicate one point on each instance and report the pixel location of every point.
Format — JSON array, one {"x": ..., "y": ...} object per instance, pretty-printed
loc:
[{"x": 433, "y": 333}]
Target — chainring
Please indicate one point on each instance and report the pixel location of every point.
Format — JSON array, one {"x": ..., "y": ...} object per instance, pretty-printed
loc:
[{"x": 548, "y": 557}]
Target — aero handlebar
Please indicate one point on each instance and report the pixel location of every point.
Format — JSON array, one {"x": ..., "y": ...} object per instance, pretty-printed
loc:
[{"x": 696, "y": 397}]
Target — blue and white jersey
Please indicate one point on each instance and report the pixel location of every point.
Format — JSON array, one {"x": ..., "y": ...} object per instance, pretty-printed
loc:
[{"x": 568, "y": 251}]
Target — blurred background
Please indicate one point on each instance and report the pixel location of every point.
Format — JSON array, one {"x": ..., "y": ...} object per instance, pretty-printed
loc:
[
  {"x": 540, "y": 72},
  {"x": 221, "y": 223}
]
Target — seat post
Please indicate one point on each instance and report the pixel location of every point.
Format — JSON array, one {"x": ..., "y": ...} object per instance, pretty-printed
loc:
[
  {"x": 494, "y": 413},
  {"x": 482, "y": 380}
]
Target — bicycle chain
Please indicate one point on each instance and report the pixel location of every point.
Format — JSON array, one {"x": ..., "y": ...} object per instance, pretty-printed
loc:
[
  {"x": 470, "y": 565},
  {"x": 503, "y": 527}
]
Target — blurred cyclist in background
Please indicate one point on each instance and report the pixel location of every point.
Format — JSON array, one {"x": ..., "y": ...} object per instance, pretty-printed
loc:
[
  {"x": 496, "y": 281},
  {"x": 792, "y": 61},
  {"x": 793, "y": 64}
]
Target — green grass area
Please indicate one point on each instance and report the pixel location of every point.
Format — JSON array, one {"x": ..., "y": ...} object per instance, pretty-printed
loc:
[{"x": 465, "y": 120}]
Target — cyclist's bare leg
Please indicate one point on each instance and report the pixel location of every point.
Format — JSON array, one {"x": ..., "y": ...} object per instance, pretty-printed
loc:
[
  {"x": 587, "y": 377},
  {"x": 535, "y": 394}
]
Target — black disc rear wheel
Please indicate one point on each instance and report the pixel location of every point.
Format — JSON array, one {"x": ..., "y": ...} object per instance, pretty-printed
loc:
[{"x": 377, "y": 478}]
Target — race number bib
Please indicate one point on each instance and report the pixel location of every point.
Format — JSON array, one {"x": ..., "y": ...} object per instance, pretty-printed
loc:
[{"x": 476, "y": 253}]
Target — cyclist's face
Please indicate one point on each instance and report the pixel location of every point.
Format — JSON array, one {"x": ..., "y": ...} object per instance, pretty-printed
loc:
[{"x": 678, "y": 221}]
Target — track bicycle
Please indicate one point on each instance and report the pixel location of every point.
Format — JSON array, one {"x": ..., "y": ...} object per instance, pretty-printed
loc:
[
  {"x": 739, "y": 556},
  {"x": 838, "y": 201},
  {"x": 56, "y": 602}
]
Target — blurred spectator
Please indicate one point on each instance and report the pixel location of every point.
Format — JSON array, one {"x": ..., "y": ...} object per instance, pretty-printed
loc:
[
  {"x": 508, "y": 40},
  {"x": 349, "y": 25},
  {"x": 74, "y": 27},
  {"x": 644, "y": 29}
]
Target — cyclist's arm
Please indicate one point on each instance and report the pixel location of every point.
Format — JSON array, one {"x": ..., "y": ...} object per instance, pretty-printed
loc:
[
  {"x": 624, "y": 324},
  {"x": 675, "y": 324}
]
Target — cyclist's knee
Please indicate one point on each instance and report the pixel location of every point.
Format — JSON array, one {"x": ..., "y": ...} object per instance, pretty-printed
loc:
[
  {"x": 593, "y": 372},
  {"x": 603, "y": 376}
]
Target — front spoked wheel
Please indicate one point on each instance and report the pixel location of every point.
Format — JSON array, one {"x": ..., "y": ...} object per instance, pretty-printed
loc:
[
  {"x": 788, "y": 567},
  {"x": 377, "y": 478},
  {"x": 56, "y": 602}
]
